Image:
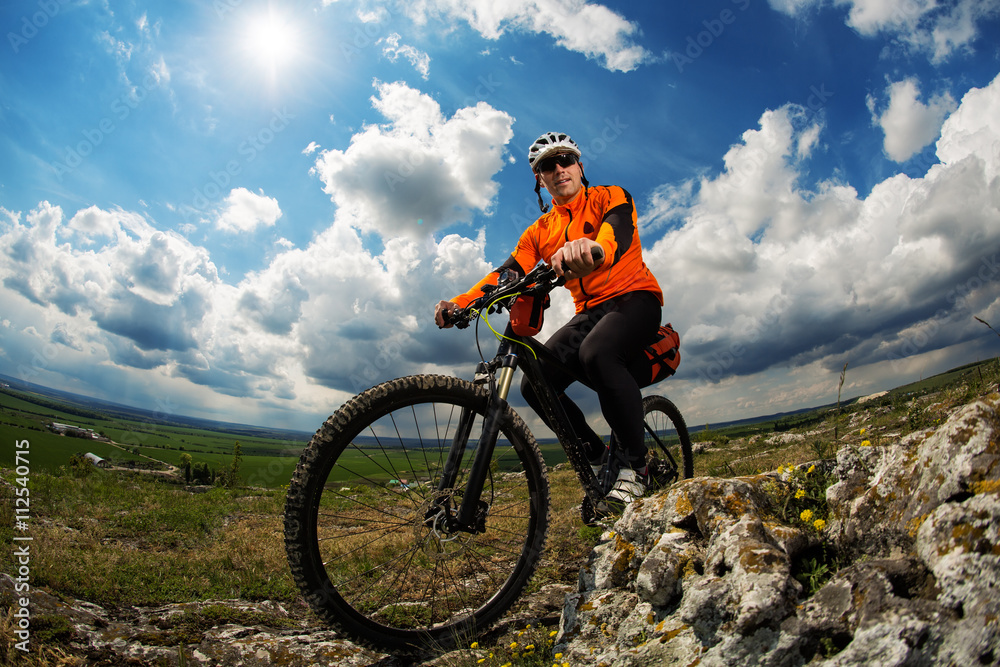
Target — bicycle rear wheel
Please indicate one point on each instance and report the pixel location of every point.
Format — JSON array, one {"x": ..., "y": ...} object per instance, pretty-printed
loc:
[
  {"x": 361, "y": 530},
  {"x": 670, "y": 453}
]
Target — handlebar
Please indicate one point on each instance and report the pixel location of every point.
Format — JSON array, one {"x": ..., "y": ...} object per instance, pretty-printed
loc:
[{"x": 538, "y": 282}]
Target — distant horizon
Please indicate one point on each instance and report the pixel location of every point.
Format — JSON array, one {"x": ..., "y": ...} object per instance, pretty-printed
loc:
[{"x": 692, "y": 427}]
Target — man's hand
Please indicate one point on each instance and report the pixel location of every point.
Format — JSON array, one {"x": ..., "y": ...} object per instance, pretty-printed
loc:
[
  {"x": 575, "y": 259},
  {"x": 439, "y": 313}
]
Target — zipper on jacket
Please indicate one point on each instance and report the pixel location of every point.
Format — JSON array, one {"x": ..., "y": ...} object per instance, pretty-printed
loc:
[{"x": 566, "y": 239}]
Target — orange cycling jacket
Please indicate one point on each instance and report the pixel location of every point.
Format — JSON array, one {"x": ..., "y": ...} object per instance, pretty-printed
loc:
[{"x": 602, "y": 213}]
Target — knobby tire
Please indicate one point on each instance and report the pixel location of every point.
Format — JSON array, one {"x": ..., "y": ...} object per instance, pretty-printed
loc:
[{"x": 359, "y": 543}]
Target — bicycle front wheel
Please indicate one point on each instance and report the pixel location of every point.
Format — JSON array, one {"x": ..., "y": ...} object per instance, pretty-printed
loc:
[
  {"x": 667, "y": 441},
  {"x": 361, "y": 530}
]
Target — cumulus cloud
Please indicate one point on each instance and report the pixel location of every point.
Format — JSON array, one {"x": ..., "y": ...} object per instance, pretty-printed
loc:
[
  {"x": 908, "y": 123},
  {"x": 245, "y": 211},
  {"x": 419, "y": 172},
  {"x": 111, "y": 292},
  {"x": 751, "y": 258},
  {"x": 592, "y": 29},
  {"x": 938, "y": 29}
]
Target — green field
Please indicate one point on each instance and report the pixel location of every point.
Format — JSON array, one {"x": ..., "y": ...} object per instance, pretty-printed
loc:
[
  {"x": 270, "y": 461},
  {"x": 267, "y": 462}
]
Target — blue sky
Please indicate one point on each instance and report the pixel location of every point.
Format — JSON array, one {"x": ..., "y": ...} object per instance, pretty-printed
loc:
[{"x": 245, "y": 210}]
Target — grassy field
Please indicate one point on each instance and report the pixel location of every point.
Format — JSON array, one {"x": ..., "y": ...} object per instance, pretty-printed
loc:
[{"x": 266, "y": 462}]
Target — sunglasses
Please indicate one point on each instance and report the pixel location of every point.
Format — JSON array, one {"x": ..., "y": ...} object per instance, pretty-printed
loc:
[{"x": 563, "y": 160}]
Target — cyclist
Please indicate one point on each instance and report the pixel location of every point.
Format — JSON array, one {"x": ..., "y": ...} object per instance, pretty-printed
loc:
[{"x": 618, "y": 301}]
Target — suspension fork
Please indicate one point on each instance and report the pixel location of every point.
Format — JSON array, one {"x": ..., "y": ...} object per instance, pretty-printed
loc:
[{"x": 471, "y": 513}]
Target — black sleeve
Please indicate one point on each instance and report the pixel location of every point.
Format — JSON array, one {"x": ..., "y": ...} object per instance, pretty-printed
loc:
[
  {"x": 621, "y": 220},
  {"x": 511, "y": 263}
]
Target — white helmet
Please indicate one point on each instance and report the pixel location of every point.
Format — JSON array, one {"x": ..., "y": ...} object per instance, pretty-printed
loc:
[{"x": 551, "y": 143}]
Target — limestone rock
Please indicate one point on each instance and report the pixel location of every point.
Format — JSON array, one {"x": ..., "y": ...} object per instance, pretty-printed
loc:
[{"x": 699, "y": 574}]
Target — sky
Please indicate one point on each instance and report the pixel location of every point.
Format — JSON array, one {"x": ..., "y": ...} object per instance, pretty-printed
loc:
[{"x": 246, "y": 210}]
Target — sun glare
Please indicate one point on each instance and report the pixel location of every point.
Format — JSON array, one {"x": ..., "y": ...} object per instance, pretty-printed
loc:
[{"x": 271, "y": 41}]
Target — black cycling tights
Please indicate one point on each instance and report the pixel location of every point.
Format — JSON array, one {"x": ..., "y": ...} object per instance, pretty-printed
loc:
[{"x": 600, "y": 344}]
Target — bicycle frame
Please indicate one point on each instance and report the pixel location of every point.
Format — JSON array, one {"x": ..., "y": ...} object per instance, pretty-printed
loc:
[{"x": 510, "y": 355}]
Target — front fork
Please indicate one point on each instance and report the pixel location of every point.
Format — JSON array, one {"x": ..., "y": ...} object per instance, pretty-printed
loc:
[{"x": 471, "y": 514}]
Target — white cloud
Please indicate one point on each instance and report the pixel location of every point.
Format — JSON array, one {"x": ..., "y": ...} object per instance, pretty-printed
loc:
[
  {"x": 245, "y": 211},
  {"x": 761, "y": 273},
  {"x": 592, "y": 29},
  {"x": 93, "y": 222},
  {"x": 908, "y": 123},
  {"x": 115, "y": 295},
  {"x": 937, "y": 28},
  {"x": 311, "y": 148},
  {"x": 420, "y": 172},
  {"x": 392, "y": 50}
]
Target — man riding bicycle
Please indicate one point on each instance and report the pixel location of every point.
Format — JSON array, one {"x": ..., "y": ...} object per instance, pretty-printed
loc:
[{"x": 618, "y": 300}]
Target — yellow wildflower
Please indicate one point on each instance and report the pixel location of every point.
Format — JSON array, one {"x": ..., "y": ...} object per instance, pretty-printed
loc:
[
  {"x": 811, "y": 470},
  {"x": 863, "y": 431},
  {"x": 553, "y": 633},
  {"x": 557, "y": 656},
  {"x": 513, "y": 645},
  {"x": 480, "y": 661},
  {"x": 866, "y": 443},
  {"x": 474, "y": 645},
  {"x": 781, "y": 470},
  {"x": 806, "y": 515},
  {"x": 800, "y": 494},
  {"x": 819, "y": 524}
]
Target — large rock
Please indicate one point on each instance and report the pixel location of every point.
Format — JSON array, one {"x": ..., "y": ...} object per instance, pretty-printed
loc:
[{"x": 700, "y": 573}]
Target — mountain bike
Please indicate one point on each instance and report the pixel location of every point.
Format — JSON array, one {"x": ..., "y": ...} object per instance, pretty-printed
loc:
[{"x": 418, "y": 513}]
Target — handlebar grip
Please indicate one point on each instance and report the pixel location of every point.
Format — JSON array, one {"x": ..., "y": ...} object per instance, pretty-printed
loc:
[
  {"x": 456, "y": 318},
  {"x": 597, "y": 252}
]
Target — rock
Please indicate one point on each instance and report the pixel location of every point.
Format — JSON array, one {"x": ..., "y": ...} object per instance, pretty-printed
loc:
[
  {"x": 699, "y": 573},
  {"x": 885, "y": 493},
  {"x": 157, "y": 635}
]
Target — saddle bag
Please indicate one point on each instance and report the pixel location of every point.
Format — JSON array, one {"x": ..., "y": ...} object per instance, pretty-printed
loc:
[{"x": 662, "y": 356}]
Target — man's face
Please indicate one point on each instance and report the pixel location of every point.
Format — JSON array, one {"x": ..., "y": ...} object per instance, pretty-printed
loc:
[{"x": 562, "y": 182}]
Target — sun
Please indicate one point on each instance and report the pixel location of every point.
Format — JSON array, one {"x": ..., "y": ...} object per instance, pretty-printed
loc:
[{"x": 272, "y": 41}]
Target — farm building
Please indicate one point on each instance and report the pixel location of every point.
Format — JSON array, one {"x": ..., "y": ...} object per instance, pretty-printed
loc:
[
  {"x": 73, "y": 431},
  {"x": 96, "y": 460}
]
